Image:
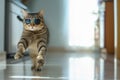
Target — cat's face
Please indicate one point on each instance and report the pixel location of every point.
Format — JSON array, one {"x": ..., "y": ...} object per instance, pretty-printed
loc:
[{"x": 33, "y": 21}]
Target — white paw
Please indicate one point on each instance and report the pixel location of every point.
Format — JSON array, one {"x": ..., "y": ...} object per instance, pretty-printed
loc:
[
  {"x": 18, "y": 55},
  {"x": 39, "y": 57}
]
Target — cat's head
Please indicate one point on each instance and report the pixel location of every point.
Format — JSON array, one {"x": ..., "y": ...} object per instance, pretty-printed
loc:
[{"x": 33, "y": 21}]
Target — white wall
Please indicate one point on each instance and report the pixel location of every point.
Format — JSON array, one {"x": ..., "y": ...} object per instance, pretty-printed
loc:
[
  {"x": 56, "y": 19},
  {"x": 2, "y": 16},
  {"x": 14, "y": 26}
]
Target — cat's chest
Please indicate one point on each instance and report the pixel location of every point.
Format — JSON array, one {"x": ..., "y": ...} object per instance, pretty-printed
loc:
[
  {"x": 35, "y": 36},
  {"x": 32, "y": 35}
]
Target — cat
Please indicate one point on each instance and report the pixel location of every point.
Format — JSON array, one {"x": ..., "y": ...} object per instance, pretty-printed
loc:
[{"x": 34, "y": 38}]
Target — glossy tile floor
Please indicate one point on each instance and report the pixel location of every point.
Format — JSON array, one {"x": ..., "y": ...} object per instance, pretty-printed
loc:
[{"x": 63, "y": 66}]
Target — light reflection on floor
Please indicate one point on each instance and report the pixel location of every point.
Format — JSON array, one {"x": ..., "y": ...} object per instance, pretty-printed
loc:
[
  {"x": 101, "y": 72},
  {"x": 81, "y": 68},
  {"x": 38, "y": 77}
]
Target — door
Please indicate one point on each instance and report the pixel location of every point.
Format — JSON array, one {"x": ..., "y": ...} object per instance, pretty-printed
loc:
[{"x": 109, "y": 27}]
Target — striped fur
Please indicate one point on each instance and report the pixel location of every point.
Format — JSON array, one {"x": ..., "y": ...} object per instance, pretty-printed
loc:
[{"x": 35, "y": 40}]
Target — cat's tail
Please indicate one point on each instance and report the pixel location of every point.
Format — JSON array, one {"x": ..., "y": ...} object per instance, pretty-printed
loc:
[{"x": 19, "y": 18}]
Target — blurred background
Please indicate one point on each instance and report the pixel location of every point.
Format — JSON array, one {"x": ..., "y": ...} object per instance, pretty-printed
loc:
[{"x": 82, "y": 26}]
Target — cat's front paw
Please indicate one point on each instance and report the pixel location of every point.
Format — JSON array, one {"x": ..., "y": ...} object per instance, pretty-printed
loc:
[
  {"x": 40, "y": 60},
  {"x": 18, "y": 55},
  {"x": 33, "y": 68}
]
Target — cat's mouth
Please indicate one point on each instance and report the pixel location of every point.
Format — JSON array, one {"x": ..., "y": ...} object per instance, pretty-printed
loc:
[
  {"x": 35, "y": 28},
  {"x": 32, "y": 29}
]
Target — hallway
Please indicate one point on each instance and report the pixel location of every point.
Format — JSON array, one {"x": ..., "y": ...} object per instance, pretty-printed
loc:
[
  {"x": 72, "y": 24},
  {"x": 63, "y": 66}
]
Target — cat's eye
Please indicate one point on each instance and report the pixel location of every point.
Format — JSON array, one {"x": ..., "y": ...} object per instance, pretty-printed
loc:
[
  {"x": 27, "y": 21},
  {"x": 37, "y": 21}
]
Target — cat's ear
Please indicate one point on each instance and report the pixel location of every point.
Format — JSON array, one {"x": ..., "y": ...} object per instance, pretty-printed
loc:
[
  {"x": 41, "y": 12},
  {"x": 24, "y": 12}
]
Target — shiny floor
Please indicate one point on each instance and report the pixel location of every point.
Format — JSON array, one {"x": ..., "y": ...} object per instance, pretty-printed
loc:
[{"x": 64, "y": 66}]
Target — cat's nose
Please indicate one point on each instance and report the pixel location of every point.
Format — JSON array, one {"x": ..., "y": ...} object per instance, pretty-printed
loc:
[{"x": 33, "y": 24}]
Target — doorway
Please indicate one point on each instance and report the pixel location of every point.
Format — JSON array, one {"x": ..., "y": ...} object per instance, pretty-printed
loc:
[{"x": 82, "y": 23}]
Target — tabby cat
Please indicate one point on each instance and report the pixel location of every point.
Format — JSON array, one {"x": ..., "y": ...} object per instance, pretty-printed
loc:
[{"x": 34, "y": 37}]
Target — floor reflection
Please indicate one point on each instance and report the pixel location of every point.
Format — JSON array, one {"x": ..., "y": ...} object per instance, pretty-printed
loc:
[
  {"x": 81, "y": 68},
  {"x": 2, "y": 61},
  {"x": 101, "y": 69},
  {"x": 64, "y": 66}
]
